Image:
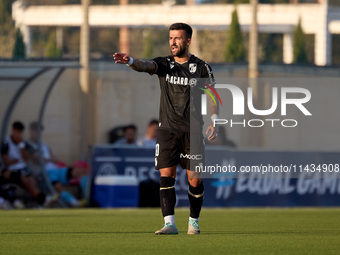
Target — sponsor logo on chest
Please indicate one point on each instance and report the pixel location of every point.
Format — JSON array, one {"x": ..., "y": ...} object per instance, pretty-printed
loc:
[{"x": 177, "y": 80}]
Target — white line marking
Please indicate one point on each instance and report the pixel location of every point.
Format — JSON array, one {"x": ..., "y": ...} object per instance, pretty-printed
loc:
[
  {"x": 139, "y": 159},
  {"x": 110, "y": 159}
]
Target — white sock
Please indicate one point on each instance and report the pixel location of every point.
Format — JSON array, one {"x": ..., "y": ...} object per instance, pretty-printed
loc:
[
  {"x": 196, "y": 219},
  {"x": 170, "y": 219}
]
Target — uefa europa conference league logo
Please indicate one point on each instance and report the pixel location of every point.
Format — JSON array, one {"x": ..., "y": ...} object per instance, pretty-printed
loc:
[{"x": 239, "y": 102}]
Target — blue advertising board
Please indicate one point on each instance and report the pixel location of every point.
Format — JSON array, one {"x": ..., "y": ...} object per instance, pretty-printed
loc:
[{"x": 237, "y": 188}]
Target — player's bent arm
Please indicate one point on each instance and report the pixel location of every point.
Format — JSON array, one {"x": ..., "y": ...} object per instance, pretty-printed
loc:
[
  {"x": 7, "y": 162},
  {"x": 138, "y": 65},
  {"x": 24, "y": 155}
]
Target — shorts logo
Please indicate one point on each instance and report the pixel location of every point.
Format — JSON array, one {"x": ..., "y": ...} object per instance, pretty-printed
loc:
[
  {"x": 157, "y": 150},
  {"x": 156, "y": 153},
  {"x": 192, "y": 67},
  {"x": 194, "y": 157}
]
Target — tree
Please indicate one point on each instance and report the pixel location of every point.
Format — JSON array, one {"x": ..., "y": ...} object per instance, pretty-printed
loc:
[
  {"x": 147, "y": 45},
  {"x": 5, "y": 11},
  {"x": 19, "y": 47},
  {"x": 235, "y": 51},
  {"x": 51, "y": 50},
  {"x": 271, "y": 45},
  {"x": 299, "y": 45}
]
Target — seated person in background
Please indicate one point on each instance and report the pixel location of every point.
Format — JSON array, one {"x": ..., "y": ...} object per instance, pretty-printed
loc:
[
  {"x": 149, "y": 140},
  {"x": 61, "y": 177},
  {"x": 222, "y": 139},
  {"x": 129, "y": 136},
  {"x": 14, "y": 156},
  {"x": 50, "y": 161},
  {"x": 58, "y": 173}
]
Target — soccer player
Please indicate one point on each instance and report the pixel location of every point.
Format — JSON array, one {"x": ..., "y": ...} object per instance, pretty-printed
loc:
[{"x": 178, "y": 138}]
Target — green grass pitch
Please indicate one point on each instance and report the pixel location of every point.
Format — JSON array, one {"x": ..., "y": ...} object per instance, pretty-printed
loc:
[{"x": 131, "y": 231}]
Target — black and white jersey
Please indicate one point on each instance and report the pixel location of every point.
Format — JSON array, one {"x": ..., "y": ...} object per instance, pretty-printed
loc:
[
  {"x": 180, "y": 97},
  {"x": 12, "y": 150}
]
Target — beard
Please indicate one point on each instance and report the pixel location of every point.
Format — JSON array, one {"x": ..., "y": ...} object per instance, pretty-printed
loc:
[{"x": 180, "y": 52}]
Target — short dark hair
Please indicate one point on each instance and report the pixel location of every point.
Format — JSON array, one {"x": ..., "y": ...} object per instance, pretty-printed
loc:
[
  {"x": 182, "y": 26},
  {"x": 18, "y": 126},
  {"x": 35, "y": 125},
  {"x": 130, "y": 127},
  {"x": 153, "y": 122}
]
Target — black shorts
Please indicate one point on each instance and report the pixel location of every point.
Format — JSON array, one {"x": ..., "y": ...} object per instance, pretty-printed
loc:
[
  {"x": 179, "y": 148},
  {"x": 15, "y": 176}
]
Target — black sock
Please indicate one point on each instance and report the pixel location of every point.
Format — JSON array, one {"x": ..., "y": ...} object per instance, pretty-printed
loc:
[
  {"x": 167, "y": 195},
  {"x": 41, "y": 198},
  {"x": 195, "y": 195},
  {"x": 8, "y": 194}
]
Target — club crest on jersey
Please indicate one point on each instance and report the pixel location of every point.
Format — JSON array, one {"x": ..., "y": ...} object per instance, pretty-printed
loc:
[{"x": 192, "y": 67}]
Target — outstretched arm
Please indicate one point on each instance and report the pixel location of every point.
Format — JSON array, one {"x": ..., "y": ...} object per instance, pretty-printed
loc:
[
  {"x": 213, "y": 112},
  {"x": 138, "y": 65}
]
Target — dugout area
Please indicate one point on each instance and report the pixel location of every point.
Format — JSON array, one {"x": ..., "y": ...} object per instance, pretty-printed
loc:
[{"x": 25, "y": 91}]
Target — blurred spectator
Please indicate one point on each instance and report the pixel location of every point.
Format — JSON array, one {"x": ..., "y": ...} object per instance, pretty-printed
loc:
[
  {"x": 14, "y": 156},
  {"x": 222, "y": 139},
  {"x": 50, "y": 161},
  {"x": 59, "y": 174},
  {"x": 129, "y": 138},
  {"x": 61, "y": 177},
  {"x": 149, "y": 140}
]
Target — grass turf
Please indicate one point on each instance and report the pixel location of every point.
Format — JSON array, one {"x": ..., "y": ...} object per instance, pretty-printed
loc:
[{"x": 131, "y": 231}]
